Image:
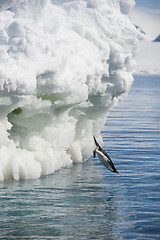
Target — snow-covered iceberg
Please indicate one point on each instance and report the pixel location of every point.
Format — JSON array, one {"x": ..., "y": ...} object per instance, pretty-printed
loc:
[
  {"x": 147, "y": 57},
  {"x": 63, "y": 65}
]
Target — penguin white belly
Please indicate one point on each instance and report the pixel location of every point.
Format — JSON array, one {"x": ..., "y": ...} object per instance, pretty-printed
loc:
[{"x": 104, "y": 160}]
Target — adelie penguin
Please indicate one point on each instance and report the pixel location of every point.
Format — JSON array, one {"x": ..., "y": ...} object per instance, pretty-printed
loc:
[{"x": 104, "y": 157}]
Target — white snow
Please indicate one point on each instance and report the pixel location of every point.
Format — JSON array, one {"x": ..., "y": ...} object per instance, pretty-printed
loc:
[
  {"x": 63, "y": 65},
  {"x": 148, "y": 56},
  {"x": 148, "y": 20}
]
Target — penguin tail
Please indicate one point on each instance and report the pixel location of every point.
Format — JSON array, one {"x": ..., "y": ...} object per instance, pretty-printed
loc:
[{"x": 115, "y": 171}]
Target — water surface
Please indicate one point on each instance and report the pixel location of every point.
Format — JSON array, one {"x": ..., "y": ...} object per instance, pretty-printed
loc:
[{"x": 87, "y": 201}]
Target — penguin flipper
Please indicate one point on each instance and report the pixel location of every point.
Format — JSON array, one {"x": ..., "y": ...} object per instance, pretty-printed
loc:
[
  {"x": 94, "y": 153},
  {"x": 96, "y": 142}
]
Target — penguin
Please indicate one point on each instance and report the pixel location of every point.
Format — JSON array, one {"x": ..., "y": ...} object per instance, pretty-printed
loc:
[{"x": 103, "y": 157}]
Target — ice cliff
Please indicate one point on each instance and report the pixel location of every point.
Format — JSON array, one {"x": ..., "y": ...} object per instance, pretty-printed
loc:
[{"x": 63, "y": 65}]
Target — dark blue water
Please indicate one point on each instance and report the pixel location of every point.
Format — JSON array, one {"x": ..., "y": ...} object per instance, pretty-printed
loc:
[{"x": 87, "y": 201}]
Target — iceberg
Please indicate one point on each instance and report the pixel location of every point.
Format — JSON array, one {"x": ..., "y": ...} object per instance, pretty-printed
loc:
[{"x": 63, "y": 65}]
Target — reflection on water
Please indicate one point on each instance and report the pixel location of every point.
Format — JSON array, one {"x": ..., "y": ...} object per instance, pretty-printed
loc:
[
  {"x": 73, "y": 203},
  {"x": 87, "y": 201},
  {"x": 132, "y": 134}
]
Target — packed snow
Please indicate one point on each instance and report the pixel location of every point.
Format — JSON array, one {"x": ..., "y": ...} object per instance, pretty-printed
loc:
[
  {"x": 148, "y": 58},
  {"x": 148, "y": 55},
  {"x": 63, "y": 65}
]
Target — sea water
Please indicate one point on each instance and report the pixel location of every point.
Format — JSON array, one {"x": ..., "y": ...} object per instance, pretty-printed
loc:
[{"x": 87, "y": 201}]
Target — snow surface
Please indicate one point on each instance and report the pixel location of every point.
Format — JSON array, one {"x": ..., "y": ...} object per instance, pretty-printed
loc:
[
  {"x": 63, "y": 65},
  {"x": 148, "y": 58},
  {"x": 148, "y": 55},
  {"x": 148, "y": 19}
]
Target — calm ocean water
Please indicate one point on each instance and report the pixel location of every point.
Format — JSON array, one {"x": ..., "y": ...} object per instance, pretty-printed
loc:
[{"x": 87, "y": 201}]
